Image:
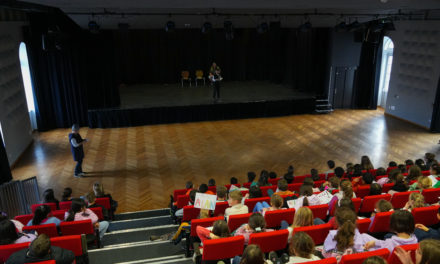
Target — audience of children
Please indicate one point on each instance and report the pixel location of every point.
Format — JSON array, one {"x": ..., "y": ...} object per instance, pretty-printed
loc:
[
  {"x": 10, "y": 235},
  {"x": 67, "y": 195},
  {"x": 42, "y": 216}
]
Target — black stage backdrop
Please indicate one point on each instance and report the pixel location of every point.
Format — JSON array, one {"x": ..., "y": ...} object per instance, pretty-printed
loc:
[
  {"x": 155, "y": 56},
  {"x": 5, "y": 171}
]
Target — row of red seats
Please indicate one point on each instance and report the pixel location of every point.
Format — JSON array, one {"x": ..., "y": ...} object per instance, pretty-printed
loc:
[
  {"x": 76, "y": 243},
  {"x": 105, "y": 201}
]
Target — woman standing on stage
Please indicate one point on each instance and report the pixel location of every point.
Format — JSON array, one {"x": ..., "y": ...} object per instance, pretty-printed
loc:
[
  {"x": 215, "y": 78},
  {"x": 214, "y": 68}
]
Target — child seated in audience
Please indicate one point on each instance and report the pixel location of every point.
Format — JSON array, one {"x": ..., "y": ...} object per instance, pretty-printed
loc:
[
  {"x": 402, "y": 168},
  {"x": 345, "y": 191},
  {"x": 366, "y": 163},
  {"x": 91, "y": 203},
  {"x": 306, "y": 198},
  {"x": 211, "y": 182},
  {"x": 421, "y": 184},
  {"x": 67, "y": 194},
  {"x": 392, "y": 165},
  {"x": 222, "y": 194},
  {"x": 421, "y": 164},
  {"x": 276, "y": 202},
  {"x": 428, "y": 253},
  {"x": 236, "y": 207},
  {"x": 399, "y": 185},
  {"x": 414, "y": 173},
  {"x": 203, "y": 188},
  {"x": 98, "y": 188},
  {"x": 309, "y": 181},
  {"x": 256, "y": 224},
  {"x": 375, "y": 260},
  {"x": 343, "y": 203},
  {"x": 189, "y": 186},
  {"x": 220, "y": 229},
  {"x": 272, "y": 175},
  {"x": 349, "y": 168},
  {"x": 435, "y": 173},
  {"x": 375, "y": 189},
  {"x": 314, "y": 175},
  {"x": 263, "y": 180},
  {"x": 331, "y": 165},
  {"x": 42, "y": 216},
  {"x": 49, "y": 197},
  {"x": 192, "y": 197},
  {"x": 303, "y": 217},
  {"x": 366, "y": 179},
  {"x": 339, "y": 172},
  {"x": 283, "y": 188},
  {"x": 391, "y": 177},
  {"x": 430, "y": 159},
  {"x": 331, "y": 185},
  {"x": 41, "y": 250},
  {"x": 251, "y": 177},
  {"x": 380, "y": 207},
  {"x": 347, "y": 239},
  {"x": 415, "y": 200},
  {"x": 251, "y": 255},
  {"x": 18, "y": 225},
  {"x": 289, "y": 175},
  {"x": 381, "y": 171},
  {"x": 402, "y": 225},
  {"x": 78, "y": 212},
  {"x": 9, "y": 235},
  {"x": 301, "y": 249}
]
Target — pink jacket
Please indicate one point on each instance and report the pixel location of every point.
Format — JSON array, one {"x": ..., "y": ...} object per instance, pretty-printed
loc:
[{"x": 88, "y": 214}]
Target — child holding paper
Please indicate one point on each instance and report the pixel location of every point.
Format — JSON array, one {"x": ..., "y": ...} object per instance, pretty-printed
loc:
[{"x": 276, "y": 202}]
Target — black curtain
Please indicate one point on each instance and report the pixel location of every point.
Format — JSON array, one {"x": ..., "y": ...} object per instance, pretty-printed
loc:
[
  {"x": 155, "y": 56},
  {"x": 5, "y": 170},
  {"x": 435, "y": 124},
  {"x": 56, "y": 60},
  {"x": 366, "y": 87}
]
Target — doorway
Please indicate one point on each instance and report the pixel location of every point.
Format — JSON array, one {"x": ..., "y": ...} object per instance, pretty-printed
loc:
[
  {"x": 27, "y": 81},
  {"x": 385, "y": 71}
]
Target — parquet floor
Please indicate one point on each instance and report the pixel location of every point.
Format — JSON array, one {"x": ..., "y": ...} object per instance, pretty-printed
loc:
[{"x": 140, "y": 166}]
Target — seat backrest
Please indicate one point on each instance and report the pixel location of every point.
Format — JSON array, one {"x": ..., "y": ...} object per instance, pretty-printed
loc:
[
  {"x": 45, "y": 262},
  {"x": 322, "y": 176},
  {"x": 250, "y": 203},
  {"x": 185, "y": 74},
  {"x": 7, "y": 250},
  {"x": 381, "y": 176},
  {"x": 77, "y": 227},
  {"x": 363, "y": 191},
  {"x": 104, "y": 201},
  {"x": 299, "y": 179},
  {"x": 246, "y": 185},
  {"x": 65, "y": 205},
  {"x": 318, "y": 184},
  {"x": 369, "y": 202},
  {"x": 400, "y": 199},
  {"x": 317, "y": 232},
  {"x": 223, "y": 248},
  {"x": 426, "y": 173},
  {"x": 235, "y": 221},
  {"x": 319, "y": 211},
  {"x": 357, "y": 203},
  {"x": 393, "y": 259},
  {"x": 381, "y": 222},
  {"x": 213, "y": 189},
  {"x": 179, "y": 192},
  {"x": 363, "y": 224},
  {"x": 49, "y": 229},
  {"x": 294, "y": 187},
  {"x": 324, "y": 261},
  {"x": 426, "y": 215},
  {"x": 203, "y": 222},
  {"x": 76, "y": 243},
  {"x": 182, "y": 200},
  {"x": 24, "y": 219},
  {"x": 274, "y": 181},
  {"x": 274, "y": 218},
  {"x": 431, "y": 195},
  {"x": 199, "y": 73},
  {"x": 358, "y": 258},
  {"x": 220, "y": 208},
  {"x": 59, "y": 214},
  {"x": 53, "y": 206},
  {"x": 386, "y": 187},
  {"x": 98, "y": 212},
  {"x": 270, "y": 241},
  {"x": 228, "y": 186},
  {"x": 264, "y": 189},
  {"x": 190, "y": 213}
]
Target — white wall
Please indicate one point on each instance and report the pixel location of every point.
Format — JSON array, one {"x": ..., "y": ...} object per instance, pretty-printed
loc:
[
  {"x": 14, "y": 115},
  {"x": 415, "y": 71}
]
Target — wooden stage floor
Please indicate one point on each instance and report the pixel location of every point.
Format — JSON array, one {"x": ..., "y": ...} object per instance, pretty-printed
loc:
[{"x": 140, "y": 166}]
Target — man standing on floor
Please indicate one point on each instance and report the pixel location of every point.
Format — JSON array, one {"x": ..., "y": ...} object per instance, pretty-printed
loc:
[{"x": 76, "y": 146}]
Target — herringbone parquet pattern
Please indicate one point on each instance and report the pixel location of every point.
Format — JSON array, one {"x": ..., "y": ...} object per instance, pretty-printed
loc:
[{"x": 141, "y": 166}]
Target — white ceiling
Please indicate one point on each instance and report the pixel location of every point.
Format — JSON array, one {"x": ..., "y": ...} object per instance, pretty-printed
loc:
[{"x": 138, "y": 13}]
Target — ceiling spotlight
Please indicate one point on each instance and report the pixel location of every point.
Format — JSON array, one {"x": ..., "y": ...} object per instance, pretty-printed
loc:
[
  {"x": 229, "y": 30},
  {"x": 170, "y": 26},
  {"x": 262, "y": 28},
  {"x": 206, "y": 27},
  {"x": 93, "y": 26},
  {"x": 305, "y": 27}
]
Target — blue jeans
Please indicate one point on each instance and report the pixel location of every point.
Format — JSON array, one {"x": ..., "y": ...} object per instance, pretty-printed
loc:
[
  {"x": 103, "y": 226},
  {"x": 78, "y": 167},
  {"x": 259, "y": 206}
]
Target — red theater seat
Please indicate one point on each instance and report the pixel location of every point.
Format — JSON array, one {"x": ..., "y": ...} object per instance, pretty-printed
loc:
[
  {"x": 319, "y": 211},
  {"x": 358, "y": 258},
  {"x": 317, "y": 232},
  {"x": 104, "y": 201},
  {"x": 381, "y": 223},
  {"x": 50, "y": 229},
  {"x": 213, "y": 189},
  {"x": 318, "y": 184},
  {"x": 228, "y": 186},
  {"x": 264, "y": 189},
  {"x": 98, "y": 212},
  {"x": 76, "y": 243},
  {"x": 324, "y": 261},
  {"x": 425, "y": 215},
  {"x": 270, "y": 241},
  {"x": 235, "y": 221},
  {"x": 8, "y": 250},
  {"x": 250, "y": 203},
  {"x": 294, "y": 187},
  {"x": 357, "y": 203},
  {"x": 44, "y": 262},
  {"x": 363, "y": 191},
  {"x": 400, "y": 199},
  {"x": 393, "y": 259},
  {"x": 53, "y": 206},
  {"x": 274, "y": 181},
  {"x": 204, "y": 223},
  {"x": 299, "y": 179},
  {"x": 431, "y": 195},
  {"x": 369, "y": 202},
  {"x": 182, "y": 200},
  {"x": 274, "y": 218},
  {"x": 387, "y": 187},
  {"x": 59, "y": 214},
  {"x": 190, "y": 213},
  {"x": 247, "y": 185},
  {"x": 222, "y": 248},
  {"x": 363, "y": 224},
  {"x": 176, "y": 193},
  {"x": 65, "y": 205},
  {"x": 220, "y": 208},
  {"x": 24, "y": 219}
]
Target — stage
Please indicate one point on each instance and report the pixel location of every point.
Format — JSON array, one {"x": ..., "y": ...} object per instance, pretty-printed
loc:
[{"x": 146, "y": 104}]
